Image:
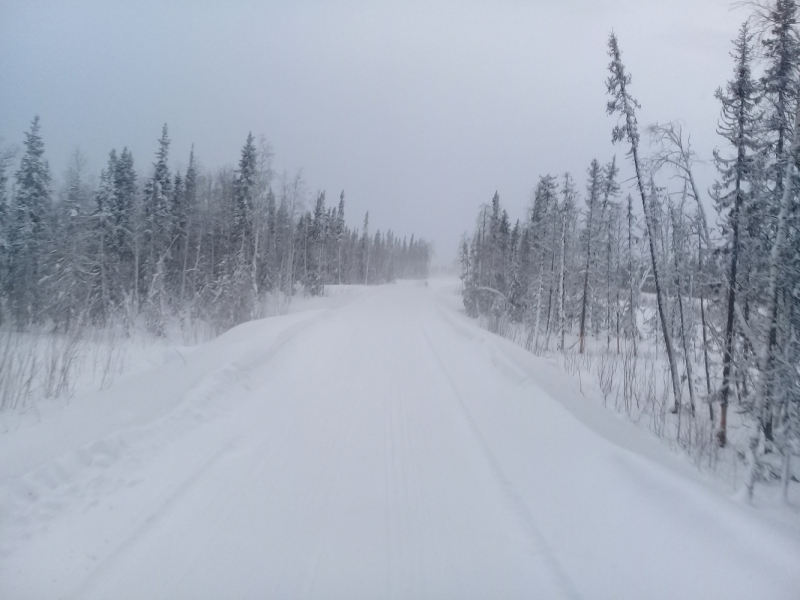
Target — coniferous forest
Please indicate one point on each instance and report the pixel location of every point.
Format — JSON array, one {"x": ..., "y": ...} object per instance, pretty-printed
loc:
[
  {"x": 153, "y": 246},
  {"x": 90, "y": 271},
  {"x": 683, "y": 324}
]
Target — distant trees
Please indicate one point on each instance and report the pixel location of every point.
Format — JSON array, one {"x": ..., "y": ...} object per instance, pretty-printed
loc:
[{"x": 187, "y": 244}]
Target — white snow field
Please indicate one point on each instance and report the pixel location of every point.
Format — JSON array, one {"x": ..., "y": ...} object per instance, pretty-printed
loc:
[{"x": 382, "y": 448}]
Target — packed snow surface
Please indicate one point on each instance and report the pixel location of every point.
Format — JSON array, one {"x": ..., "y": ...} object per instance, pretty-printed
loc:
[{"x": 378, "y": 445}]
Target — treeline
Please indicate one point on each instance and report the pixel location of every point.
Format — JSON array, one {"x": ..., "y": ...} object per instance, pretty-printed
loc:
[
  {"x": 647, "y": 271},
  {"x": 191, "y": 244}
]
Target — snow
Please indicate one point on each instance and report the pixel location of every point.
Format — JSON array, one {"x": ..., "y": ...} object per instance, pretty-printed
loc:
[{"x": 372, "y": 444}]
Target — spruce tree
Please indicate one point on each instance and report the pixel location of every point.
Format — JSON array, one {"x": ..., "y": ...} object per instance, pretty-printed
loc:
[
  {"x": 186, "y": 216},
  {"x": 365, "y": 248},
  {"x": 593, "y": 187},
  {"x": 739, "y": 126},
  {"x": 4, "y": 229},
  {"x": 27, "y": 230},
  {"x": 244, "y": 196},
  {"x": 157, "y": 216},
  {"x": 71, "y": 255},
  {"x": 340, "y": 231},
  {"x": 104, "y": 265}
]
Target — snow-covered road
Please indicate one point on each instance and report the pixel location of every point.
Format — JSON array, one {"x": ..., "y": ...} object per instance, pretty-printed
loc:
[{"x": 383, "y": 448}]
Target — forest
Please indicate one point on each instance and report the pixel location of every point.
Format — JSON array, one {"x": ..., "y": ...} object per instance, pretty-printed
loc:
[
  {"x": 687, "y": 323},
  {"x": 185, "y": 254},
  {"x": 188, "y": 245}
]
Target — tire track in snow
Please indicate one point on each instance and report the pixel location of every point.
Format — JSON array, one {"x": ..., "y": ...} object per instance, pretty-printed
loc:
[
  {"x": 516, "y": 502},
  {"x": 149, "y": 524},
  {"x": 333, "y": 438},
  {"x": 404, "y": 502}
]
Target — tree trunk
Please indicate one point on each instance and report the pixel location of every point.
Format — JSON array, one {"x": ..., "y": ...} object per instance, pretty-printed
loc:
[
  {"x": 634, "y": 327},
  {"x": 561, "y": 286},
  {"x": 678, "y": 284},
  {"x": 586, "y": 273},
  {"x": 676, "y": 389}
]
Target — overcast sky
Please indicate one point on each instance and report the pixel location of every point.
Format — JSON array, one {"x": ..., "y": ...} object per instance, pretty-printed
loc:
[{"x": 418, "y": 110}]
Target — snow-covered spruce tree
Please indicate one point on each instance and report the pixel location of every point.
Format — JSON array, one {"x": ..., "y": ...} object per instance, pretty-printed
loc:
[
  {"x": 365, "y": 248},
  {"x": 607, "y": 254},
  {"x": 27, "y": 235},
  {"x": 495, "y": 288},
  {"x": 104, "y": 263},
  {"x": 244, "y": 190},
  {"x": 302, "y": 249},
  {"x": 157, "y": 225},
  {"x": 545, "y": 203},
  {"x": 69, "y": 284},
  {"x": 781, "y": 87},
  {"x": 467, "y": 257},
  {"x": 519, "y": 295},
  {"x": 546, "y": 230},
  {"x": 568, "y": 220},
  {"x": 593, "y": 187},
  {"x": 765, "y": 402},
  {"x": 239, "y": 279},
  {"x": 738, "y": 125},
  {"x": 497, "y": 247},
  {"x": 377, "y": 259},
  {"x": 125, "y": 222},
  {"x": 185, "y": 217},
  {"x": 271, "y": 268},
  {"x": 5, "y": 210},
  {"x": 624, "y": 104},
  {"x": 315, "y": 284},
  {"x": 340, "y": 233},
  {"x": 780, "y": 83},
  {"x": 480, "y": 261},
  {"x": 261, "y": 259},
  {"x": 178, "y": 221},
  {"x": 503, "y": 249},
  {"x": 490, "y": 263}
]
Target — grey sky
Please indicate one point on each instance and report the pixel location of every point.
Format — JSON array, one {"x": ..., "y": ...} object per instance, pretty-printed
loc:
[{"x": 418, "y": 110}]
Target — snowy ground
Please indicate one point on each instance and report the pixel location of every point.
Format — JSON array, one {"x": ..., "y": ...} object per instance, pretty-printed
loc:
[{"x": 376, "y": 444}]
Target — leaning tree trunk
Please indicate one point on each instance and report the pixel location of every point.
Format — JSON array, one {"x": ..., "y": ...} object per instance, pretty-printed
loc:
[
  {"x": 676, "y": 388},
  {"x": 703, "y": 323},
  {"x": 625, "y": 104},
  {"x": 678, "y": 284}
]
